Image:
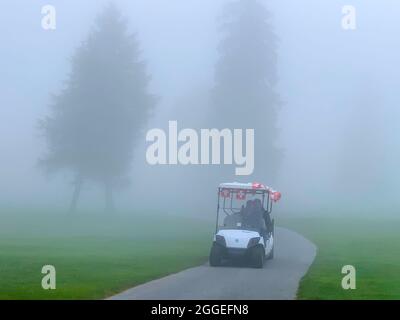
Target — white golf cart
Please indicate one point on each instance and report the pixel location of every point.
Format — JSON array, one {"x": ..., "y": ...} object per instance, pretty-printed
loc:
[{"x": 244, "y": 227}]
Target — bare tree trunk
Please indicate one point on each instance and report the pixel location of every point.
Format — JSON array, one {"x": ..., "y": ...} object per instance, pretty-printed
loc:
[
  {"x": 76, "y": 194},
  {"x": 109, "y": 203}
]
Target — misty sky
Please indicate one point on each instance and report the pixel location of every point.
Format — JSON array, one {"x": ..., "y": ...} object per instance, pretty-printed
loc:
[{"x": 325, "y": 73}]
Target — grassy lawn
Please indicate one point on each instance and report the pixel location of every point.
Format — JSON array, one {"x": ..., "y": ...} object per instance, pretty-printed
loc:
[
  {"x": 372, "y": 246},
  {"x": 95, "y": 257}
]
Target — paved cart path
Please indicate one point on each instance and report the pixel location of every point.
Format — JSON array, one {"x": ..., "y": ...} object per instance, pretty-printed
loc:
[{"x": 279, "y": 279}]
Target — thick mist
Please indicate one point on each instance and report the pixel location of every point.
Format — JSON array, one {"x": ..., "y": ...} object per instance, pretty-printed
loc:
[{"x": 337, "y": 121}]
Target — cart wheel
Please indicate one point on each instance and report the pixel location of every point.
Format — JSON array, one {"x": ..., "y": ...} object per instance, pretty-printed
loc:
[
  {"x": 258, "y": 257},
  {"x": 215, "y": 256},
  {"x": 271, "y": 254}
]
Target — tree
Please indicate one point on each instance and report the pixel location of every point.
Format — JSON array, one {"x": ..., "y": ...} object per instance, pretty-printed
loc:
[
  {"x": 246, "y": 74},
  {"x": 96, "y": 119}
]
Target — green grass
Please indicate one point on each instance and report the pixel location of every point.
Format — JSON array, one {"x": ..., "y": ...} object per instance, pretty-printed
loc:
[
  {"x": 94, "y": 256},
  {"x": 372, "y": 246}
]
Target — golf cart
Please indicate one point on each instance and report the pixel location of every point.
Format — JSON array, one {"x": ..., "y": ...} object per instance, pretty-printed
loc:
[{"x": 244, "y": 227}]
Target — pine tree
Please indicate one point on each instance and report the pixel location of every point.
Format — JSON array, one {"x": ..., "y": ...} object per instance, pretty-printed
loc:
[
  {"x": 246, "y": 75},
  {"x": 97, "y": 118}
]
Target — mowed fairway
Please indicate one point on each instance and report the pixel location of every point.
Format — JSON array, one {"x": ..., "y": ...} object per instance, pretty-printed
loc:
[
  {"x": 372, "y": 246},
  {"x": 95, "y": 256}
]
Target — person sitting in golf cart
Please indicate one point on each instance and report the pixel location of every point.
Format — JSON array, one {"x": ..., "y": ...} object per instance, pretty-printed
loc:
[
  {"x": 247, "y": 210},
  {"x": 253, "y": 217},
  {"x": 238, "y": 219}
]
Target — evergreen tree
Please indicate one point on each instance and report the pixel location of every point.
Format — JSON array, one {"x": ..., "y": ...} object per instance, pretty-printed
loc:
[
  {"x": 99, "y": 115},
  {"x": 246, "y": 75}
]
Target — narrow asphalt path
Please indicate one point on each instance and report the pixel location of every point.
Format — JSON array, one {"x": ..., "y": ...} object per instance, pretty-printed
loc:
[{"x": 279, "y": 279}]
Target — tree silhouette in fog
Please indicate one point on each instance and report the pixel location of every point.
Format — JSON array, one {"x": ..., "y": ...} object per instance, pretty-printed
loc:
[
  {"x": 97, "y": 118},
  {"x": 245, "y": 76}
]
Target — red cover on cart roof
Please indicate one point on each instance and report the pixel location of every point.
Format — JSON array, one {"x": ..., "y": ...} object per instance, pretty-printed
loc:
[{"x": 275, "y": 195}]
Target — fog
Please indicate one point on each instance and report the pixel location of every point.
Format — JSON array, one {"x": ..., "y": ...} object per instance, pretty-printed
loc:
[{"x": 337, "y": 121}]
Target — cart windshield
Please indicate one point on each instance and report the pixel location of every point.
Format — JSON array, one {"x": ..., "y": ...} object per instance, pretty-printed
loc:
[{"x": 241, "y": 210}]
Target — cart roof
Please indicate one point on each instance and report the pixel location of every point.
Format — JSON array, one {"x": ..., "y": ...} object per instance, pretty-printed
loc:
[
  {"x": 245, "y": 186},
  {"x": 248, "y": 187}
]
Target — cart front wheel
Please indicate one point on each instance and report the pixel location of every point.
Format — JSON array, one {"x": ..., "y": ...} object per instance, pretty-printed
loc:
[
  {"x": 258, "y": 257},
  {"x": 271, "y": 254},
  {"x": 215, "y": 256}
]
